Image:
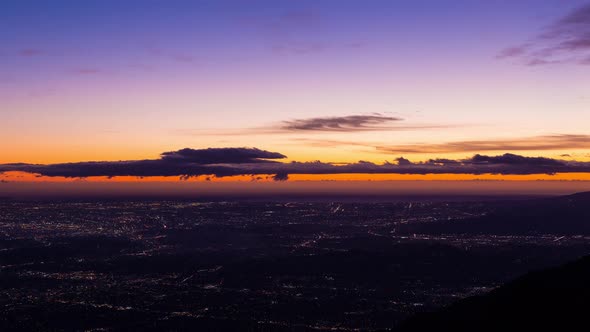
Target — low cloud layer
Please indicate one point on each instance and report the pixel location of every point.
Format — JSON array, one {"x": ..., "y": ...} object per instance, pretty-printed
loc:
[
  {"x": 565, "y": 41},
  {"x": 188, "y": 163}
]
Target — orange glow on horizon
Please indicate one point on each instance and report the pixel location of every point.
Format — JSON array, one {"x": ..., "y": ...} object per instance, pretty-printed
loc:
[{"x": 28, "y": 177}]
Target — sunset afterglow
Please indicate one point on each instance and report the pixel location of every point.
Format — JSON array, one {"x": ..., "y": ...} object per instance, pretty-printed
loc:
[{"x": 331, "y": 82}]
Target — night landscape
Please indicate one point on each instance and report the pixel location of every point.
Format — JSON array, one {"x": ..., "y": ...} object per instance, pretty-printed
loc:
[{"x": 294, "y": 165}]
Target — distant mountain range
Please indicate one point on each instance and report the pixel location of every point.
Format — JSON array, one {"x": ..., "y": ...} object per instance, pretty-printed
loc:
[{"x": 565, "y": 215}]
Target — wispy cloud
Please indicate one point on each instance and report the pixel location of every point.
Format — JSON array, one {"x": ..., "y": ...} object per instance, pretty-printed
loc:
[
  {"x": 328, "y": 143},
  {"x": 283, "y": 32},
  {"x": 293, "y": 33},
  {"x": 328, "y": 124},
  {"x": 299, "y": 47},
  {"x": 565, "y": 41},
  {"x": 30, "y": 52},
  {"x": 538, "y": 143},
  {"x": 341, "y": 123},
  {"x": 174, "y": 55},
  {"x": 86, "y": 71}
]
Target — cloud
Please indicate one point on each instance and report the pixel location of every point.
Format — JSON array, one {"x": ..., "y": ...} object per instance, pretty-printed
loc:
[
  {"x": 184, "y": 57},
  {"x": 297, "y": 17},
  {"x": 478, "y": 164},
  {"x": 512, "y": 159},
  {"x": 565, "y": 41},
  {"x": 294, "y": 33},
  {"x": 87, "y": 71},
  {"x": 188, "y": 163},
  {"x": 403, "y": 161},
  {"x": 220, "y": 156},
  {"x": 281, "y": 177},
  {"x": 173, "y": 55},
  {"x": 512, "y": 52},
  {"x": 30, "y": 52},
  {"x": 287, "y": 33},
  {"x": 546, "y": 142},
  {"x": 348, "y": 123},
  {"x": 299, "y": 47},
  {"x": 184, "y": 163}
]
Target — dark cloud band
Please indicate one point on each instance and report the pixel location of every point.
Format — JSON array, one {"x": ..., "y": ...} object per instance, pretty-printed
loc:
[
  {"x": 187, "y": 163},
  {"x": 221, "y": 156}
]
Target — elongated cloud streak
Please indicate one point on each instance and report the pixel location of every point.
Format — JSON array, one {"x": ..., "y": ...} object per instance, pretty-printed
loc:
[
  {"x": 349, "y": 123},
  {"x": 539, "y": 143},
  {"x": 221, "y": 156},
  {"x": 328, "y": 124},
  {"x": 567, "y": 40}
]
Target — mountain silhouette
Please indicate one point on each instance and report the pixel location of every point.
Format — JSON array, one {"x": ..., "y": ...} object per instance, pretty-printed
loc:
[
  {"x": 556, "y": 299},
  {"x": 564, "y": 215}
]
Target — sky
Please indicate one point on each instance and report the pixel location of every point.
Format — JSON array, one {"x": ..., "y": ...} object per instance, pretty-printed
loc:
[{"x": 374, "y": 90}]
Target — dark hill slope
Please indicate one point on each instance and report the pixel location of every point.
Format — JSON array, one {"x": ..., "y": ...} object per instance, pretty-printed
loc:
[{"x": 557, "y": 299}]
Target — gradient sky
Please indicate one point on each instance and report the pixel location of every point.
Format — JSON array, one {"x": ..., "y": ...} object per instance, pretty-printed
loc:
[{"x": 127, "y": 80}]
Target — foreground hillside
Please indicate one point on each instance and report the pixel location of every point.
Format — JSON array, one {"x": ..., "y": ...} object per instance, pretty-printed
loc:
[
  {"x": 557, "y": 299},
  {"x": 152, "y": 265}
]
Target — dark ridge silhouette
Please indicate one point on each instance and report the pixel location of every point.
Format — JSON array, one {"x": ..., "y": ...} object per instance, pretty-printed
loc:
[
  {"x": 550, "y": 300},
  {"x": 565, "y": 215}
]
